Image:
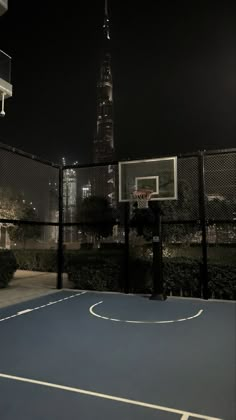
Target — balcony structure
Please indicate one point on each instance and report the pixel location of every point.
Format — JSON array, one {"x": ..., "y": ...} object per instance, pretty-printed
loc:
[
  {"x": 5, "y": 79},
  {"x": 3, "y": 6}
]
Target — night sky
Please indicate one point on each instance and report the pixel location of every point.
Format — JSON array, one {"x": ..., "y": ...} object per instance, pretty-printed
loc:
[{"x": 174, "y": 72}]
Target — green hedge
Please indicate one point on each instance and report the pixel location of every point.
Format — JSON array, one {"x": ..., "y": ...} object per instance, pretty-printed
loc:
[
  {"x": 182, "y": 276},
  {"x": 102, "y": 269},
  {"x": 222, "y": 281},
  {"x": 101, "y": 275},
  {"x": 36, "y": 260},
  {"x": 8, "y": 266},
  {"x": 95, "y": 270},
  {"x": 179, "y": 275},
  {"x": 46, "y": 259}
]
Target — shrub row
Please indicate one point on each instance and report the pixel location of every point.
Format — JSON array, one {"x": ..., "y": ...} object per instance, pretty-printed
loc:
[
  {"x": 8, "y": 266},
  {"x": 102, "y": 269},
  {"x": 178, "y": 274},
  {"x": 36, "y": 260},
  {"x": 102, "y": 275},
  {"x": 95, "y": 270},
  {"x": 222, "y": 281},
  {"x": 183, "y": 276},
  {"x": 103, "y": 245},
  {"x": 46, "y": 259}
]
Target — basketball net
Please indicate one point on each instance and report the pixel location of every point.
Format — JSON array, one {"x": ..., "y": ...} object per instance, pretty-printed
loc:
[{"x": 142, "y": 197}]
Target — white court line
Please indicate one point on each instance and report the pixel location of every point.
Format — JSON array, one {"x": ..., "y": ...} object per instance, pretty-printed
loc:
[
  {"x": 25, "y": 311},
  {"x": 184, "y": 414},
  {"x": 185, "y": 417},
  {"x": 141, "y": 322}
]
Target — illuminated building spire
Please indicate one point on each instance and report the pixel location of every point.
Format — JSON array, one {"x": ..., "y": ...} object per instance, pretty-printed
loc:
[
  {"x": 106, "y": 25},
  {"x": 103, "y": 144}
]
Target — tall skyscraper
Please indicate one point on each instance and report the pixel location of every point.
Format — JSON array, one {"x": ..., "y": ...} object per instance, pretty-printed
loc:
[
  {"x": 103, "y": 146},
  {"x": 69, "y": 202},
  {"x": 104, "y": 141},
  {"x": 51, "y": 232}
]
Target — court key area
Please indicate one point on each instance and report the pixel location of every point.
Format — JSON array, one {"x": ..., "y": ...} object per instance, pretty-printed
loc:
[{"x": 89, "y": 355}]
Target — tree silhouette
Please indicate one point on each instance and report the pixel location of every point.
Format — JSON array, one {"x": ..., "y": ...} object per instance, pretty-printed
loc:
[
  {"x": 96, "y": 216},
  {"x": 14, "y": 207}
]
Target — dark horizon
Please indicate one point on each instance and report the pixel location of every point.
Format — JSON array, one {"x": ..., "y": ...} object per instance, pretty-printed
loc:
[{"x": 173, "y": 73}]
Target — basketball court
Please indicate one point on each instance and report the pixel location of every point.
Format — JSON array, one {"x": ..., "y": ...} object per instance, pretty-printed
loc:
[{"x": 90, "y": 355}]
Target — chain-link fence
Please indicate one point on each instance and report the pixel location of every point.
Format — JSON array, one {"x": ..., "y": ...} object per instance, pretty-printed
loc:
[
  {"x": 68, "y": 219},
  {"x": 29, "y": 210}
]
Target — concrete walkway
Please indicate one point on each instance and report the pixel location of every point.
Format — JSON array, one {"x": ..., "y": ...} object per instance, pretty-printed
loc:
[{"x": 28, "y": 285}]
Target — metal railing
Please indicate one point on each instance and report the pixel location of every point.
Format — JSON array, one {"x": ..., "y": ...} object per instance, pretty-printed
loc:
[
  {"x": 5, "y": 67},
  {"x": 3, "y": 6}
]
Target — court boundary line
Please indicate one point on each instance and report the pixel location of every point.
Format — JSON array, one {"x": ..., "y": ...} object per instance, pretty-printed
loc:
[
  {"x": 141, "y": 322},
  {"x": 28, "y": 310},
  {"x": 186, "y": 298},
  {"x": 184, "y": 414}
]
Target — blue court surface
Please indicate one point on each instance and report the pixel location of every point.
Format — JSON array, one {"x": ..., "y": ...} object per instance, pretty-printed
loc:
[{"x": 87, "y": 355}]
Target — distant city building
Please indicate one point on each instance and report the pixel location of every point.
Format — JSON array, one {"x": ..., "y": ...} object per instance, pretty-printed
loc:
[
  {"x": 69, "y": 205},
  {"x": 69, "y": 202},
  {"x": 103, "y": 148},
  {"x": 53, "y": 211},
  {"x": 86, "y": 190}
]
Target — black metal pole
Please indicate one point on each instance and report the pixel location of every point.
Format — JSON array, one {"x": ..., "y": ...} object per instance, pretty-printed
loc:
[
  {"x": 203, "y": 222},
  {"x": 60, "y": 255},
  {"x": 126, "y": 227},
  {"x": 157, "y": 265}
]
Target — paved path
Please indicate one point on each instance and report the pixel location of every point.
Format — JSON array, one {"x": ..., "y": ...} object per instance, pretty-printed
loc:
[{"x": 28, "y": 285}]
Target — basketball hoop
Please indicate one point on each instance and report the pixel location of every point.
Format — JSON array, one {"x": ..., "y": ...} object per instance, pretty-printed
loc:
[{"x": 142, "y": 197}]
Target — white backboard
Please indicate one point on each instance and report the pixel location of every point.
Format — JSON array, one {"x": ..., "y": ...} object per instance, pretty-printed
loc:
[{"x": 159, "y": 175}]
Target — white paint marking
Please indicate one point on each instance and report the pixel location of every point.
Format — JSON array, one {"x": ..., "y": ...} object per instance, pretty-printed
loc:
[
  {"x": 9, "y": 317},
  {"x": 184, "y": 414},
  {"x": 25, "y": 311},
  {"x": 141, "y": 322}
]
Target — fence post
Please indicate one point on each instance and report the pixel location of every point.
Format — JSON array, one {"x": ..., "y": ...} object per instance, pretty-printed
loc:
[
  {"x": 202, "y": 210},
  {"x": 126, "y": 227},
  {"x": 60, "y": 254},
  {"x": 157, "y": 264}
]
